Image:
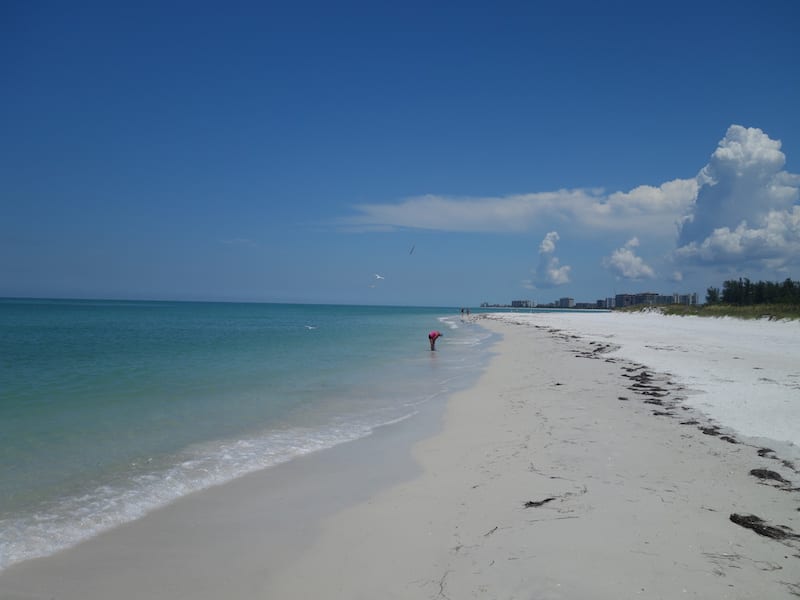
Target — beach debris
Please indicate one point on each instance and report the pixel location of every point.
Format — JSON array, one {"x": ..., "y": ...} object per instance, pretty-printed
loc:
[
  {"x": 653, "y": 393},
  {"x": 644, "y": 386},
  {"x": 789, "y": 465},
  {"x": 656, "y": 392},
  {"x": 794, "y": 588},
  {"x": 764, "y": 452},
  {"x": 442, "y": 582},
  {"x": 757, "y": 524},
  {"x": 596, "y": 352},
  {"x": 715, "y": 431},
  {"x": 537, "y": 503},
  {"x": 690, "y": 422},
  {"x": 767, "y": 474},
  {"x": 621, "y": 398},
  {"x": 644, "y": 377},
  {"x": 601, "y": 349},
  {"x": 725, "y": 559}
]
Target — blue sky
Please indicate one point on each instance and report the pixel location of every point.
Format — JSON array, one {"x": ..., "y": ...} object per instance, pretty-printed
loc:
[{"x": 266, "y": 152}]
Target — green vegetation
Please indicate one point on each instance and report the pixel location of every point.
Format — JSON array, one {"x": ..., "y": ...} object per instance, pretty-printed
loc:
[
  {"x": 759, "y": 311},
  {"x": 742, "y": 299},
  {"x": 743, "y": 292}
]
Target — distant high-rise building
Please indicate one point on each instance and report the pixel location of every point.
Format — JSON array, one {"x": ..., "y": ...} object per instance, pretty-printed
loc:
[
  {"x": 566, "y": 302},
  {"x": 623, "y": 300},
  {"x": 652, "y": 298}
]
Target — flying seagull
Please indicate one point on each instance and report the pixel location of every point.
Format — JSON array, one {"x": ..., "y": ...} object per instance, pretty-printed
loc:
[{"x": 379, "y": 276}]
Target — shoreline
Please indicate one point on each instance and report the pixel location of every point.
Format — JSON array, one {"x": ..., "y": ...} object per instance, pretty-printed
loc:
[
  {"x": 543, "y": 482},
  {"x": 223, "y": 541},
  {"x": 104, "y": 440}
]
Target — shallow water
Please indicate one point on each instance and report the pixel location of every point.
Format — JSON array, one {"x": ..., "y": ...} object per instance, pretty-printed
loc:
[{"x": 111, "y": 409}]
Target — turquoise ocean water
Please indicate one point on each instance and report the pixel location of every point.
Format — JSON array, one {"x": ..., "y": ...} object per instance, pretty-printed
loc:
[{"x": 109, "y": 409}]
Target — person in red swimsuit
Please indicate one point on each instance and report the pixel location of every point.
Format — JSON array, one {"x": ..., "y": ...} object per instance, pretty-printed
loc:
[{"x": 433, "y": 336}]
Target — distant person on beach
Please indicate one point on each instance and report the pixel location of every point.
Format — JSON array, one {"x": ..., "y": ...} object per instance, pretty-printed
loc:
[{"x": 433, "y": 336}]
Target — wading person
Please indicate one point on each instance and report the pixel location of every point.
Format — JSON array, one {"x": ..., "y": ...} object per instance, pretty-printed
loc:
[{"x": 432, "y": 337}]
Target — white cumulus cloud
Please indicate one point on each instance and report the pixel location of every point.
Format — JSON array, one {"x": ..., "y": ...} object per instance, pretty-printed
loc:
[
  {"x": 626, "y": 264},
  {"x": 777, "y": 240},
  {"x": 556, "y": 274},
  {"x": 548, "y": 245},
  {"x": 550, "y": 271},
  {"x": 746, "y": 208}
]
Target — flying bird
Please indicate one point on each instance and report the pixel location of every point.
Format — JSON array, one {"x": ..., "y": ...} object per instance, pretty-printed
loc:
[
  {"x": 379, "y": 276},
  {"x": 412, "y": 249}
]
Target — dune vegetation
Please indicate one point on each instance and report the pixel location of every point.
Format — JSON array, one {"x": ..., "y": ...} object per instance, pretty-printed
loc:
[{"x": 741, "y": 298}]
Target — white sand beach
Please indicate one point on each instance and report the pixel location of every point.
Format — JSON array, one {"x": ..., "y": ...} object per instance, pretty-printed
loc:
[{"x": 599, "y": 456}]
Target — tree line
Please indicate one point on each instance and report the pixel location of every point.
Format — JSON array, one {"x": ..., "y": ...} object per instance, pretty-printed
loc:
[{"x": 743, "y": 292}]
